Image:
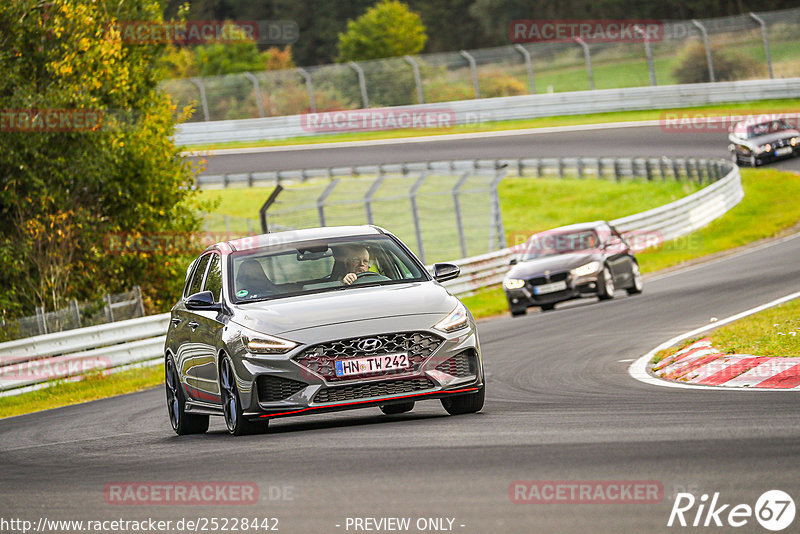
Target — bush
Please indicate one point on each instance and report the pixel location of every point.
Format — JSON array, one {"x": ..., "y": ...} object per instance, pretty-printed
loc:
[{"x": 693, "y": 66}]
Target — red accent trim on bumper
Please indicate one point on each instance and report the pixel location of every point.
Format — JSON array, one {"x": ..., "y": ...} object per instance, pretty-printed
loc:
[{"x": 368, "y": 401}]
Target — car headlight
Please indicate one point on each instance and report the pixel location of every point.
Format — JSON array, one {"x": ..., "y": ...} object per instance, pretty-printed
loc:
[
  {"x": 766, "y": 148},
  {"x": 455, "y": 320},
  {"x": 513, "y": 283},
  {"x": 258, "y": 343},
  {"x": 793, "y": 141},
  {"x": 586, "y": 269}
]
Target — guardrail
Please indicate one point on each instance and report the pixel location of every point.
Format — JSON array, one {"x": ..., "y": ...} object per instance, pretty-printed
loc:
[
  {"x": 507, "y": 108},
  {"x": 25, "y": 363}
]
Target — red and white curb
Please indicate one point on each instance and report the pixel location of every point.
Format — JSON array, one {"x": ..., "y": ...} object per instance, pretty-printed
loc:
[
  {"x": 701, "y": 363},
  {"x": 700, "y": 366}
]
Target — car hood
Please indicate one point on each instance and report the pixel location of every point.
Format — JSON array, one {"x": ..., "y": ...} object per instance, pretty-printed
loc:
[
  {"x": 555, "y": 264},
  {"x": 353, "y": 304}
]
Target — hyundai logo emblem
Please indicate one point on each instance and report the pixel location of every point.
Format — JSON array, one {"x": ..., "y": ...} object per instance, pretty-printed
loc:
[{"x": 371, "y": 344}]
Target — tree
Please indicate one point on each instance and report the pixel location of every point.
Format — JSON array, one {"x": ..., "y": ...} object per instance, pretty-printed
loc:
[
  {"x": 105, "y": 167},
  {"x": 388, "y": 29}
]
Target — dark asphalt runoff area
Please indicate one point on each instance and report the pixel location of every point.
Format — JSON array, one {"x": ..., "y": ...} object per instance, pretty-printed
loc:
[{"x": 560, "y": 406}]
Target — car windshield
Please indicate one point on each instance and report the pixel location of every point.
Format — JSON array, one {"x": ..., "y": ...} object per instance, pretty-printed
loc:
[
  {"x": 768, "y": 127},
  {"x": 319, "y": 266},
  {"x": 553, "y": 243}
]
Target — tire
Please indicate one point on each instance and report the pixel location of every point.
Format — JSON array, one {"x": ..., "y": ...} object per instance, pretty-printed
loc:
[
  {"x": 547, "y": 307},
  {"x": 606, "y": 283},
  {"x": 516, "y": 312},
  {"x": 235, "y": 421},
  {"x": 182, "y": 423},
  {"x": 394, "y": 409},
  {"x": 638, "y": 284},
  {"x": 461, "y": 404}
]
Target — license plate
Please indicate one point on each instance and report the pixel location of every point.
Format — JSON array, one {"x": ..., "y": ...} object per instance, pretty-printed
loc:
[
  {"x": 372, "y": 364},
  {"x": 549, "y": 288},
  {"x": 783, "y": 151}
]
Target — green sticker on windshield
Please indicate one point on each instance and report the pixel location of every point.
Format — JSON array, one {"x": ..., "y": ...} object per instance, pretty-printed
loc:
[{"x": 241, "y": 293}]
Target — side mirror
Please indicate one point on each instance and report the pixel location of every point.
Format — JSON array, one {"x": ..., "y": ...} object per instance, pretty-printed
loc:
[
  {"x": 204, "y": 300},
  {"x": 445, "y": 271},
  {"x": 513, "y": 261}
]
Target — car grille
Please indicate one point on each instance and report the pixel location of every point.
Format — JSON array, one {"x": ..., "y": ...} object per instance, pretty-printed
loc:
[
  {"x": 460, "y": 365},
  {"x": 558, "y": 277},
  {"x": 275, "y": 388},
  {"x": 321, "y": 358},
  {"x": 374, "y": 389}
]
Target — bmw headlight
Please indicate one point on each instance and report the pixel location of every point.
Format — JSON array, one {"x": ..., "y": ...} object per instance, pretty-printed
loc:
[
  {"x": 586, "y": 269},
  {"x": 794, "y": 141},
  {"x": 766, "y": 148},
  {"x": 455, "y": 320},
  {"x": 513, "y": 283},
  {"x": 258, "y": 343}
]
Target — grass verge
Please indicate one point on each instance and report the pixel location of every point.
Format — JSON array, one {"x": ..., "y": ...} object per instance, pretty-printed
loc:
[
  {"x": 765, "y": 106},
  {"x": 96, "y": 386}
]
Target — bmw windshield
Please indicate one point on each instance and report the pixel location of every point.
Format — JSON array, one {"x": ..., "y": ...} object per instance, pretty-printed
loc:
[
  {"x": 551, "y": 244},
  {"x": 320, "y": 266}
]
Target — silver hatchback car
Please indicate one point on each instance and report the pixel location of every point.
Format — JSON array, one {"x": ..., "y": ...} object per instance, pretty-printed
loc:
[{"x": 316, "y": 320}]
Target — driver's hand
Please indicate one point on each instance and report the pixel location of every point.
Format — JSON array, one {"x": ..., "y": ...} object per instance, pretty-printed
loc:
[{"x": 349, "y": 278}]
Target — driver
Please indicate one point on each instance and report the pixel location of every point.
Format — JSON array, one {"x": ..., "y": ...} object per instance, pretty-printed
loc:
[{"x": 356, "y": 261}]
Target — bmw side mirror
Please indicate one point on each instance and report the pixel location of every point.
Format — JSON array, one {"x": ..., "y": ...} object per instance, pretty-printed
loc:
[
  {"x": 513, "y": 261},
  {"x": 445, "y": 271},
  {"x": 204, "y": 300}
]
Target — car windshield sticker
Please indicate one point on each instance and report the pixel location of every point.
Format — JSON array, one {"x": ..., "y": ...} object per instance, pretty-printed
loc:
[{"x": 241, "y": 293}]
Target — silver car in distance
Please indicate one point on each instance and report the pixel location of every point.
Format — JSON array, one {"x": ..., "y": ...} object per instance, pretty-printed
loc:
[{"x": 316, "y": 320}]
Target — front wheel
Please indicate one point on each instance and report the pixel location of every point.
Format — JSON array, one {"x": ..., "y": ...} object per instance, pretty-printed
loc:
[
  {"x": 182, "y": 423},
  {"x": 462, "y": 404},
  {"x": 237, "y": 423},
  {"x": 606, "y": 284}
]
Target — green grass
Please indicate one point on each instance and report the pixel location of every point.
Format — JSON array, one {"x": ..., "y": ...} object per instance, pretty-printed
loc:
[
  {"x": 92, "y": 387},
  {"x": 543, "y": 122}
]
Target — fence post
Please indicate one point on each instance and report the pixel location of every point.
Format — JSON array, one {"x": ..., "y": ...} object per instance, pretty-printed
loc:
[
  {"x": 473, "y": 67},
  {"x": 40, "y": 321},
  {"x": 648, "y": 54},
  {"x": 198, "y": 82},
  {"x": 362, "y": 83},
  {"x": 662, "y": 166},
  {"x": 370, "y": 194},
  {"x": 76, "y": 311},
  {"x": 139, "y": 298},
  {"x": 323, "y": 197},
  {"x": 257, "y": 89},
  {"x": 309, "y": 87},
  {"x": 708, "y": 49},
  {"x": 417, "y": 78},
  {"x": 588, "y": 55},
  {"x": 497, "y": 235},
  {"x": 415, "y": 213},
  {"x": 764, "y": 37},
  {"x": 528, "y": 66},
  {"x": 109, "y": 310},
  {"x": 262, "y": 213},
  {"x": 462, "y": 240}
]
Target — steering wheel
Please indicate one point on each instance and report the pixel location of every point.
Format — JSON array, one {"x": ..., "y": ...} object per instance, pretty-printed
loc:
[{"x": 368, "y": 276}]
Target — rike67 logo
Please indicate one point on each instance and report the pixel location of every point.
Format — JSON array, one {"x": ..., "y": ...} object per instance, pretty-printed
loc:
[{"x": 774, "y": 510}]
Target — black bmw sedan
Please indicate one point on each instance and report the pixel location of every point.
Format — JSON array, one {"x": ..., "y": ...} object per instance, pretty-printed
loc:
[
  {"x": 759, "y": 141},
  {"x": 580, "y": 260}
]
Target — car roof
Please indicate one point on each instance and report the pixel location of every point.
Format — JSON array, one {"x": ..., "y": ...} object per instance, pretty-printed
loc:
[
  {"x": 594, "y": 225},
  {"x": 295, "y": 236}
]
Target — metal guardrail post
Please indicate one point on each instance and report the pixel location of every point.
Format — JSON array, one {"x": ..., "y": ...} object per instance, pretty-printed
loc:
[
  {"x": 764, "y": 37},
  {"x": 415, "y": 213},
  {"x": 473, "y": 67},
  {"x": 362, "y": 83},
  {"x": 675, "y": 174},
  {"x": 648, "y": 54},
  {"x": 528, "y": 66},
  {"x": 309, "y": 88},
  {"x": 40, "y": 321},
  {"x": 617, "y": 171},
  {"x": 109, "y": 308},
  {"x": 76, "y": 312},
  {"x": 462, "y": 240},
  {"x": 561, "y": 168},
  {"x": 648, "y": 169},
  {"x": 417, "y": 78},
  {"x": 706, "y": 43},
  {"x": 257, "y": 90},
  {"x": 198, "y": 82},
  {"x": 588, "y": 56},
  {"x": 139, "y": 299},
  {"x": 662, "y": 166},
  {"x": 323, "y": 197},
  {"x": 599, "y": 168},
  {"x": 368, "y": 196},
  {"x": 497, "y": 234},
  {"x": 579, "y": 166},
  {"x": 262, "y": 213}
]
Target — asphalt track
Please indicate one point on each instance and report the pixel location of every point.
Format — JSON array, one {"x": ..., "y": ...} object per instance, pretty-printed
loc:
[{"x": 560, "y": 407}]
